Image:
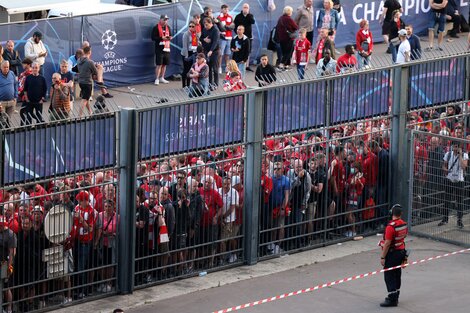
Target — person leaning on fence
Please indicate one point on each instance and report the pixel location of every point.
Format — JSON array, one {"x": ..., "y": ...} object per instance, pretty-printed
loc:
[
  {"x": 415, "y": 43},
  {"x": 60, "y": 99},
  {"x": 455, "y": 164},
  {"x": 234, "y": 83},
  {"x": 326, "y": 65},
  {"x": 8, "y": 94},
  {"x": 199, "y": 74},
  {"x": 364, "y": 44},
  {"x": 404, "y": 49},
  {"x": 347, "y": 62},
  {"x": 265, "y": 73}
]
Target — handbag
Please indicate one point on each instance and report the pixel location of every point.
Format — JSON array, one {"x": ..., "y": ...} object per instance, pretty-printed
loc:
[{"x": 395, "y": 41}]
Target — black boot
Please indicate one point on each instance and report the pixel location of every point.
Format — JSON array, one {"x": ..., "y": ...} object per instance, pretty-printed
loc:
[{"x": 389, "y": 303}]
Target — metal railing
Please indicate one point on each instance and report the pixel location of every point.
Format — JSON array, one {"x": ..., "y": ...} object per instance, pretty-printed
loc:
[{"x": 231, "y": 141}]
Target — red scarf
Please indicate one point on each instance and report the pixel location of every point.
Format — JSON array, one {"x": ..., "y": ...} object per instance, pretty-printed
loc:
[
  {"x": 193, "y": 41},
  {"x": 161, "y": 33}
]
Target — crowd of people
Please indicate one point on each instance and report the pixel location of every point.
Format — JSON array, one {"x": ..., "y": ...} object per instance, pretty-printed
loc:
[
  {"x": 23, "y": 84},
  {"x": 322, "y": 184},
  {"x": 212, "y": 40}
]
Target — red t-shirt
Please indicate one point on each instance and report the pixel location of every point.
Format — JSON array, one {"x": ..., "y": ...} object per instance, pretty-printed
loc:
[
  {"x": 213, "y": 201},
  {"x": 301, "y": 49},
  {"x": 78, "y": 231},
  {"x": 339, "y": 173}
]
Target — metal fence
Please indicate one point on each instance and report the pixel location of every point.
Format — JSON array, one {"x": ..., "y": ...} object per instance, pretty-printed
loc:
[{"x": 287, "y": 167}]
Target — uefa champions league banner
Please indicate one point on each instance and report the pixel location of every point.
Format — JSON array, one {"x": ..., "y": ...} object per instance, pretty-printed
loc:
[
  {"x": 359, "y": 96},
  {"x": 294, "y": 108},
  {"x": 189, "y": 127},
  {"x": 444, "y": 82},
  {"x": 59, "y": 149}
]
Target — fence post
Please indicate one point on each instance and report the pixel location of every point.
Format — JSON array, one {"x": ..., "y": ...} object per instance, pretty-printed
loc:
[
  {"x": 400, "y": 145},
  {"x": 127, "y": 204},
  {"x": 254, "y": 136}
]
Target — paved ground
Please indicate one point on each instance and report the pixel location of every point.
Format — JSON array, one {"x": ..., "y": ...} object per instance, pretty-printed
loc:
[{"x": 438, "y": 286}]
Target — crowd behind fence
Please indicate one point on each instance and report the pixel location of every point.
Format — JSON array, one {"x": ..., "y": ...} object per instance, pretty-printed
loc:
[{"x": 322, "y": 180}]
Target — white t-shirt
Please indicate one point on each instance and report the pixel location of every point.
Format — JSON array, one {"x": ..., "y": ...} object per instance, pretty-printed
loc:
[
  {"x": 402, "y": 49},
  {"x": 455, "y": 173},
  {"x": 229, "y": 198}
]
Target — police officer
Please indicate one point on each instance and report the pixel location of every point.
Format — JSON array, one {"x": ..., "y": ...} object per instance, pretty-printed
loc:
[{"x": 393, "y": 254}]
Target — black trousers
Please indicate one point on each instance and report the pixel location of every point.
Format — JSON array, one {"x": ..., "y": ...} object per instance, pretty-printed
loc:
[
  {"x": 454, "y": 198},
  {"x": 186, "y": 67},
  {"x": 393, "y": 278},
  {"x": 213, "y": 63},
  {"x": 456, "y": 20}
]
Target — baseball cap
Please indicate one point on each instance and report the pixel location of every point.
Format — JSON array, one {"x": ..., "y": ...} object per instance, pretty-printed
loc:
[
  {"x": 37, "y": 208},
  {"x": 402, "y": 32},
  {"x": 164, "y": 17}
]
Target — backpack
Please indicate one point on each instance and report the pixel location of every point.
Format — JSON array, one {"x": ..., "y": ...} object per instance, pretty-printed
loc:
[{"x": 273, "y": 39}]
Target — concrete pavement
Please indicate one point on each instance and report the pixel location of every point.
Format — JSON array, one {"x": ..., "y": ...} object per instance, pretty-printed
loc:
[{"x": 434, "y": 287}]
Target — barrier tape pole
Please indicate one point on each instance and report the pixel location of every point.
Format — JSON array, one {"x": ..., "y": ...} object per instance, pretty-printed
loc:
[{"x": 336, "y": 282}]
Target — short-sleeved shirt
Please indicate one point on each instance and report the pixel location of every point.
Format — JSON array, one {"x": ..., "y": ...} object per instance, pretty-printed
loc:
[
  {"x": 391, "y": 6},
  {"x": 455, "y": 173},
  {"x": 402, "y": 50},
  {"x": 230, "y": 198},
  {"x": 280, "y": 185}
]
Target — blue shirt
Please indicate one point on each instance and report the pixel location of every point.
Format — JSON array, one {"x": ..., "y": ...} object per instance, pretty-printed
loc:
[
  {"x": 280, "y": 185},
  {"x": 8, "y": 87}
]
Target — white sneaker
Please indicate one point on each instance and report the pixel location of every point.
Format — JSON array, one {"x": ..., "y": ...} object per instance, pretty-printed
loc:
[
  {"x": 220, "y": 70},
  {"x": 100, "y": 288},
  {"x": 233, "y": 258},
  {"x": 278, "y": 250},
  {"x": 66, "y": 300},
  {"x": 164, "y": 81},
  {"x": 157, "y": 82},
  {"x": 108, "y": 288}
]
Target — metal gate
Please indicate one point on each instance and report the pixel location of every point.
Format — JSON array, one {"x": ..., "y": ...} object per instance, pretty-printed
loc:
[{"x": 439, "y": 185}]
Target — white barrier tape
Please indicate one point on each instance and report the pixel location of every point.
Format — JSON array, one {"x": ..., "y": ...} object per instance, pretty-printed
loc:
[{"x": 336, "y": 282}]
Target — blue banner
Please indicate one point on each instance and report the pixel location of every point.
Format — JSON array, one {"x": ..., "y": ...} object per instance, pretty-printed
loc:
[
  {"x": 189, "y": 127},
  {"x": 59, "y": 149},
  {"x": 121, "y": 40},
  {"x": 438, "y": 82},
  {"x": 359, "y": 96},
  {"x": 295, "y": 108}
]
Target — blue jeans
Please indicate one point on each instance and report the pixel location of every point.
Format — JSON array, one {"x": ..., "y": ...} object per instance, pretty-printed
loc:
[
  {"x": 242, "y": 68},
  {"x": 301, "y": 71},
  {"x": 394, "y": 50},
  {"x": 361, "y": 61},
  {"x": 84, "y": 262}
]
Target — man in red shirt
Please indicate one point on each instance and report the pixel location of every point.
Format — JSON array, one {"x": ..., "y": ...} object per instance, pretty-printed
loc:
[
  {"x": 393, "y": 254},
  {"x": 83, "y": 226},
  {"x": 210, "y": 216},
  {"x": 347, "y": 62},
  {"x": 337, "y": 176}
]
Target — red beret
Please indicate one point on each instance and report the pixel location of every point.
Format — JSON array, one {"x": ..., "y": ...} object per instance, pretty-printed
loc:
[{"x": 83, "y": 196}]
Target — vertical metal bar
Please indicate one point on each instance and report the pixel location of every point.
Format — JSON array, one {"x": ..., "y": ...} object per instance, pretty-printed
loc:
[
  {"x": 466, "y": 90},
  {"x": 255, "y": 124},
  {"x": 400, "y": 145},
  {"x": 127, "y": 177}
]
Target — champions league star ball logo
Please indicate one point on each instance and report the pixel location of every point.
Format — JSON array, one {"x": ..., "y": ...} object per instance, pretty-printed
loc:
[{"x": 109, "y": 39}]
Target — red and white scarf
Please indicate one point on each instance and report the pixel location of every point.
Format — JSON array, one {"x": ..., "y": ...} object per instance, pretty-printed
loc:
[{"x": 162, "y": 34}]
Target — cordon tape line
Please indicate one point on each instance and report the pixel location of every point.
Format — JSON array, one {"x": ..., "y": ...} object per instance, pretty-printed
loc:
[{"x": 336, "y": 282}]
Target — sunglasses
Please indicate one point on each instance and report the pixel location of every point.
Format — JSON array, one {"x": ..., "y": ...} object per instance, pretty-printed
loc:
[
  {"x": 191, "y": 26},
  {"x": 277, "y": 168}
]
